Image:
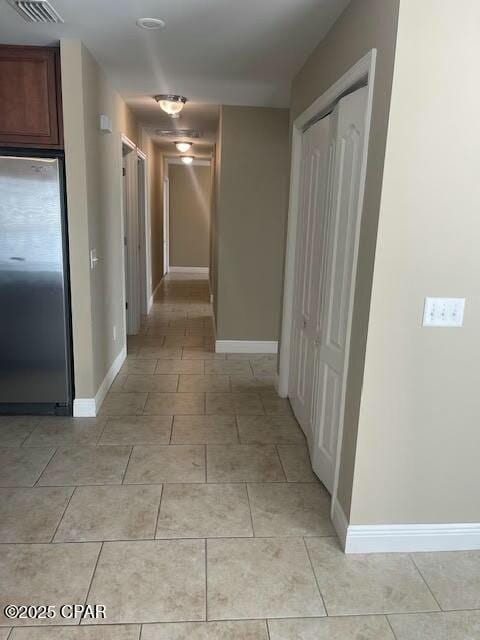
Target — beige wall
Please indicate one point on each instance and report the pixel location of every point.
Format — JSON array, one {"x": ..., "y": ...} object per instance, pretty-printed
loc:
[
  {"x": 364, "y": 25},
  {"x": 419, "y": 434},
  {"x": 189, "y": 198},
  {"x": 93, "y": 168},
  {"x": 251, "y": 208}
]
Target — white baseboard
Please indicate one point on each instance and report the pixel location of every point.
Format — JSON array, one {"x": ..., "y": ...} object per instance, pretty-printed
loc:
[
  {"x": 340, "y": 522},
  {"x": 89, "y": 407},
  {"x": 84, "y": 408},
  {"x": 246, "y": 346},
  {"x": 188, "y": 270},
  {"x": 408, "y": 538},
  {"x": 152, "y": 297}
]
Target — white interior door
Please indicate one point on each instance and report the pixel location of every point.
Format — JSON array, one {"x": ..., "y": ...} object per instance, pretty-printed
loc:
[
  {"x": 131, "y": 242},
  {"x": 315, "y": 157},
  {"x": 325, "y": 264},
  {"x": 341, "y": 224}
]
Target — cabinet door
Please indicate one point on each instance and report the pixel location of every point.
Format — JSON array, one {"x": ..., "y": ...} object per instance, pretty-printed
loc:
[{"x": 30, "y": 109}]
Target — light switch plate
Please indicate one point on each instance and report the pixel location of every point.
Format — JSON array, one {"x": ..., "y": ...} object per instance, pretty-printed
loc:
[
  {"x": 443, "y": 312},
  {"x": 105, "y": 124}
]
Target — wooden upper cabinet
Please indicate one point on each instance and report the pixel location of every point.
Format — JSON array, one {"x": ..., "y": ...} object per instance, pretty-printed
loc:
[{"x": 30, "y": 97}]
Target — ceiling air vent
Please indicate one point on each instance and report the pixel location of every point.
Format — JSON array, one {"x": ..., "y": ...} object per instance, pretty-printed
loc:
[
  {"x": 36, "y": 10},
  {"x": 179, "y": 133}
]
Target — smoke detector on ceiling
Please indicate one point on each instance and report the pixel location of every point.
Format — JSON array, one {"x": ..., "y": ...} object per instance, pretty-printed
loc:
[{"x": 36, "y": 11}]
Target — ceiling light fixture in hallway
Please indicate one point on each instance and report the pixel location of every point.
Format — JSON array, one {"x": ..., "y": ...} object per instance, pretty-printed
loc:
[
  {"x": 170, "y": 103},
  {"x": 187, "y": 159},
  {"x": 183, "y": 146}
]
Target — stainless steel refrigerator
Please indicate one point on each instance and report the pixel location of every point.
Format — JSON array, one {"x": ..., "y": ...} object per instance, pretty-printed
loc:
[{"x": 35, "y": 329}]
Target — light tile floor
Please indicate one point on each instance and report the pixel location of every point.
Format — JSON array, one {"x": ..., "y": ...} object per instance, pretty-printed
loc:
[{"x": 190, "y": 510}]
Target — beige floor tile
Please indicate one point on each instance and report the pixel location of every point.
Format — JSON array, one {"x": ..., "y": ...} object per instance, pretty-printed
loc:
[
  {"x": 204, "y": 383},
  {"x": 59, "y": 432},
  {"x": 172, "y": 404},
  {"x": 31, "y": 515},
  {"x": 204, "y": 430},
  {"x": 274, "y": 405},
  {"x": 137, "y": 430},
  {"x": 5, "y": 632},
  {"x": 53, "y": 574},
  {"x": 269, "y": 430},
  {"x": 453, "y": 577},
  {"x": 234, "y": 403},
  {"x": 137, "y": 365},
  {"x": 118, "y": 383},
  {"x": 168, "y": 577},
  {"x": 362, "y": 584},
  {"x": 454, "y": 625},
  {"x": 123, "y": 404},
  {"x": 231, "y": 630},
  {"x": 110, "y": 513},
  {"x": 250, "y": 384},
  {"x": 204, "y": 511},
  {"x": 173, "y": 463},
  {"x": 296, "y": 462},
  {"x": 158, "y": 353},
  {"x": 199, "y": 353},
  {"x": 288, "y": 509},
  {"x": 243, "y": 463},
  {"x": 113, "y": 632},
  {"x": 264, "y": 367},
  {"x": 260, "y": 578},
  {"x": 252, "y": 357},
  {"x": 184, "y": 341},
  {"x": 230, "y": 367},
  {"x": 200, "y": 331},
  {"x": 347, "y": 628},
  {"x": 72, "y": 466},
  {"x": 151, "y": 383},
  {"x": 21, "y": 467},
  {"x": 180, "y": 366},
  {"x": 15, "y": 429}
]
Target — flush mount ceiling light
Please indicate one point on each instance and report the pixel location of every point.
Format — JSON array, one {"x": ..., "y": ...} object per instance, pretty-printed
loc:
[
  {"x": 170, "y": 103},
  {"x": 183, "y": 146},
  {"x": 187, "y": 159},
  {"x": 179, "y": 133},
  {"x": 150, "y": 23}
]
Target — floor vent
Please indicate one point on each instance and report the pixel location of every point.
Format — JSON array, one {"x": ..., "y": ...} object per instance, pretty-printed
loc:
[{"x": 36, "y": 10}]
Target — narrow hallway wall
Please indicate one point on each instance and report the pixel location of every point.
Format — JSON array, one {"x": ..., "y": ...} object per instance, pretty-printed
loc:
[{"x": 189, "y": 192}]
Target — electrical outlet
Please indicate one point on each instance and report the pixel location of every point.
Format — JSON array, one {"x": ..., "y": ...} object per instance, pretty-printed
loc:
[{"x": 443, "y": 312}]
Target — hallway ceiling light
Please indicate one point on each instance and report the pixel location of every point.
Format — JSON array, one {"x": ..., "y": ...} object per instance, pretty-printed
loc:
[
  {"x": 150, "y": 23},
  {"x": 179, "y": 133},
  {"x": 187, "y": 159},
  {"x": 170, "y": 103},
  {"x": 183, "y": 146}
]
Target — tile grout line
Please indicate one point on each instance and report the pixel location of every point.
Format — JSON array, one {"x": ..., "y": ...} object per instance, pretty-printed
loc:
[
  {"x": 35, "y": 484},
  {"x": 281, "y": 463},
  {"x": 412, "y": 558},
  {"x": 93, "y": 575},
  {"x": 158, "y": 512},
  {"x": 126, "y": 466},
  {"x": 390, "y": 625},
  {"x": 107, "y": 420},
  {"x": 315, "y": 576},
  {"x": 250, "y": 510},
  {"x": 63, "y": 515}
]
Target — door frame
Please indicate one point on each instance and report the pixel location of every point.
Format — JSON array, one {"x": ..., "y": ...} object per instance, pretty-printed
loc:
[
  {"x": 168, "y": 160},
  {"x": 144, "y": 235},
  {"x": 360, "y": 74}
]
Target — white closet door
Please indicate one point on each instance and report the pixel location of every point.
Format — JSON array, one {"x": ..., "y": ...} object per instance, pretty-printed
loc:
[
  {"x": 308, "y": 259},
  {"x": 340, "y": 226}
]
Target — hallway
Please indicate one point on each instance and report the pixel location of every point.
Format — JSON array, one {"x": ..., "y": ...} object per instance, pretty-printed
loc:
[{"x": 190, "y": 499}]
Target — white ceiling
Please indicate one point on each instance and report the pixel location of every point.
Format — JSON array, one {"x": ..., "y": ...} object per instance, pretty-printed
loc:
[{"x": 243, "y": 52}]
